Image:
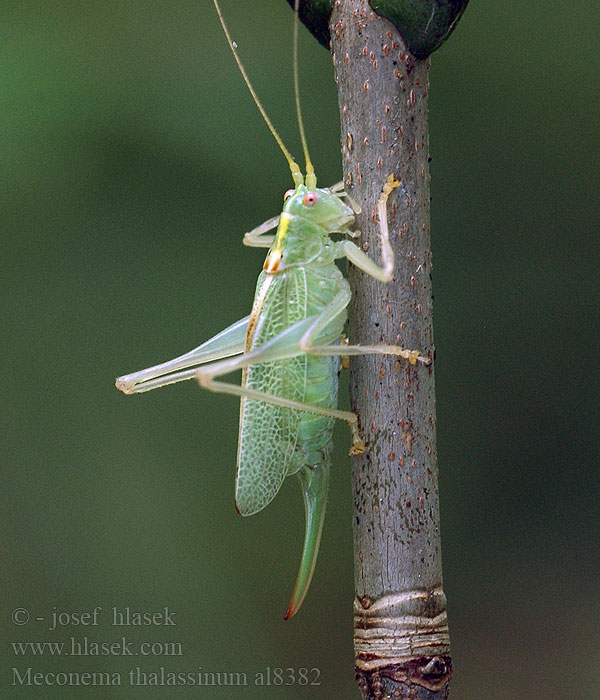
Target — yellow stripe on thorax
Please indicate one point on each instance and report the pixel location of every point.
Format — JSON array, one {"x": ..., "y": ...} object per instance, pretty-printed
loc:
[{"x": 274, "y": 257}]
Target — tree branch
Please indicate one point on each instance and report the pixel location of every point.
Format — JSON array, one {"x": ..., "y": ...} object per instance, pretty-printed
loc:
[{"x": 401, "y": 633}]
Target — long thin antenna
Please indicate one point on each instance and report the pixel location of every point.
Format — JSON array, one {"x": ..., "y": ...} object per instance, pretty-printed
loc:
[
  {"x": 311, "y": 178},
  {"x": 296, "y": 173}
]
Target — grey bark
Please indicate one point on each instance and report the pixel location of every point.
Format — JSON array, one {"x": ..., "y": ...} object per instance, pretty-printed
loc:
[{"x": 400, "y": 627}]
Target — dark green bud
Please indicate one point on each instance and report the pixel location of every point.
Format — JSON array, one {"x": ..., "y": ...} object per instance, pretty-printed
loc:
[
  {"x": 424, "y": 24},
  {"x": 315, "y": 15}
]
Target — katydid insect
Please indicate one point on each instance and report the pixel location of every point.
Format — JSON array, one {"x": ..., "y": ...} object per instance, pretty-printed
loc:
[{"x": 289, "y": 347}]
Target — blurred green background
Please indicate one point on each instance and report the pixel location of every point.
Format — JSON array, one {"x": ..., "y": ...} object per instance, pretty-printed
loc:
[{"x": 132, "y": 160}]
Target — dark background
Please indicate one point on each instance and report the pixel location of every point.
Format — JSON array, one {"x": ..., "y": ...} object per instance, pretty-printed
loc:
[{"x": 132, "y": 161}]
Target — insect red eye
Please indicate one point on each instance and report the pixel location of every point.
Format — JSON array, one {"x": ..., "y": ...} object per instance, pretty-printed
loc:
[
  {"x": 288, "y": 194},
  {"x": 309, "y": 199}
]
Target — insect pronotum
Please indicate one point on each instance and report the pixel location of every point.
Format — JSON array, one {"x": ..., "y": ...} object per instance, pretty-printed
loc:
[{"x": 289, "y": 347}]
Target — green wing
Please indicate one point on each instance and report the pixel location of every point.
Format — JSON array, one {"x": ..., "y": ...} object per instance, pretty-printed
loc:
[{"x": 268, "y": 434}]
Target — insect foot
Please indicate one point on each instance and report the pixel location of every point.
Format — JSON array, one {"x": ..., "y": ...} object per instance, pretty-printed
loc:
[
  {"x": 357, "y": 448},
  {"x": 390, "y": 184},
  {"x": 413, "y": 356}
]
